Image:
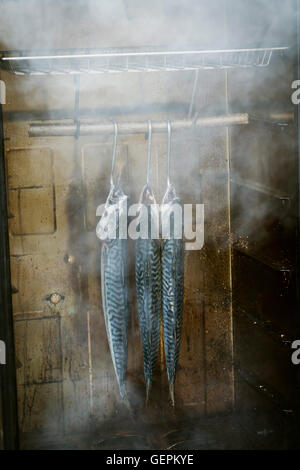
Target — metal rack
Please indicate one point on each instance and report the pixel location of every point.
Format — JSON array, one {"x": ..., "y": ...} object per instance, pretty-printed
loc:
[{"x": 112, "y": 61}]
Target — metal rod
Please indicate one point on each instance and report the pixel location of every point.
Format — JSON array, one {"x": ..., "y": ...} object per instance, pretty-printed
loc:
[
  {"x": 149, "y": 152},
  {"x": 193, "y": 93},
  {"x": 96, "y": 62},
  {"x": 114, "y": 154},
  {"x": 139, "y": 127},
  {"x": 137, "y": 54},
  {"x": 169, "y": 154}
]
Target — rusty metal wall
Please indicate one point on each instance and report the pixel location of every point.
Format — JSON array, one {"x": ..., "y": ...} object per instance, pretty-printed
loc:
[
  {"x": 264, "y": 185},
  {"x": 64, "y": 370}
]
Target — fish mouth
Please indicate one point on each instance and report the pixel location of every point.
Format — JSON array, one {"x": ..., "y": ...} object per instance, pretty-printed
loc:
[
  {"x": 116, "y": 196},
  {"x": 170, "y": 195},
  {"x": 147, "y": 196}
]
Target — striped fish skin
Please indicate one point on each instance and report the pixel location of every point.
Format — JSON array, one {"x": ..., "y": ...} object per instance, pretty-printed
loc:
[
  {"x": 115, "y": 290},
  {"x": 148, "y": 290},
  {"x": 173, "y": 293}
]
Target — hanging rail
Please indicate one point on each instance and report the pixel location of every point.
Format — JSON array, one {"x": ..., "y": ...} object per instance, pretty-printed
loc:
[
  {"x": 137, "y": 127},
  {"x": 112, "y": 61}
]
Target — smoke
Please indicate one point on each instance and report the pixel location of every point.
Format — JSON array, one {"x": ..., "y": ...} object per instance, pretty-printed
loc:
[{"x": 199, "y": 160}]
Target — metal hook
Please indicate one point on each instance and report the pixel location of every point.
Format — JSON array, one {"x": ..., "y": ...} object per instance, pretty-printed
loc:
[
  {"x": 114, "y": 154},
  {"x": 149, "y": 151},
  {"x": 169, "y": 153},
  {"x": 76, "y": 105}
]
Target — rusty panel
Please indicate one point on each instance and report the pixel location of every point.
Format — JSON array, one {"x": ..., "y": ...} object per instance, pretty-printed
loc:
[
  {"x": 75, "y": 370},
  {"x": 192, "y": 360},
  {"x": 29, "y": 167},
  {"x": 38, "y": 351},
  {"x": 34, "y": 211},
  {"x": 55, "y": 372},
  {"x": 34, "y": 278},
  {"x": 40, "y": 408},
  {"x": 39, "y": 374},
  {"x": 31, "y": 191}
]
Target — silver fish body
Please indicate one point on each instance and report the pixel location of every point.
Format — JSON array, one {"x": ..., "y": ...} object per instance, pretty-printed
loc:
[
  {"x": 148, "y": 290},
  {"x": 173, "y": 294},
  {"x": 115, "y": 290}
]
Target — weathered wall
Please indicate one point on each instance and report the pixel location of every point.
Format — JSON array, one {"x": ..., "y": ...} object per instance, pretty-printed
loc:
[{"x": 65, "y": 374}]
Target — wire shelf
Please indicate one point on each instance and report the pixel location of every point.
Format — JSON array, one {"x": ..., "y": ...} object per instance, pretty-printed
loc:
[{"x": 69, "y": 62}]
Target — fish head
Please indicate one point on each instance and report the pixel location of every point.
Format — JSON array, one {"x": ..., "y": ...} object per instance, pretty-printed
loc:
[
  {"x": 147, "y": 196},
  {"x": 149, "y": 209},
  {"x": 171, "y": 214},
  {"x": 115, "y": 210}
]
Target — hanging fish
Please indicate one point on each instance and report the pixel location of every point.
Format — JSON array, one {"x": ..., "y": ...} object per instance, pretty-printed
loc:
[
  {"x": 172, "y": 278},
  {"x": 114, "y": 276},
  {"x": 148, "y": 281}
]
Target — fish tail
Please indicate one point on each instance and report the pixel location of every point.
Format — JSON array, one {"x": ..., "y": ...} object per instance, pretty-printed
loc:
[
  {"x": 123, "y": 391},
  {"x": 171, "y": 388},
  {"x": 148, "y": 387}
]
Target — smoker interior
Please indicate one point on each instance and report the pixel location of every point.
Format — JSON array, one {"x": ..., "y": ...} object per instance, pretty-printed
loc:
[{"x": 236, "y": 386}]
